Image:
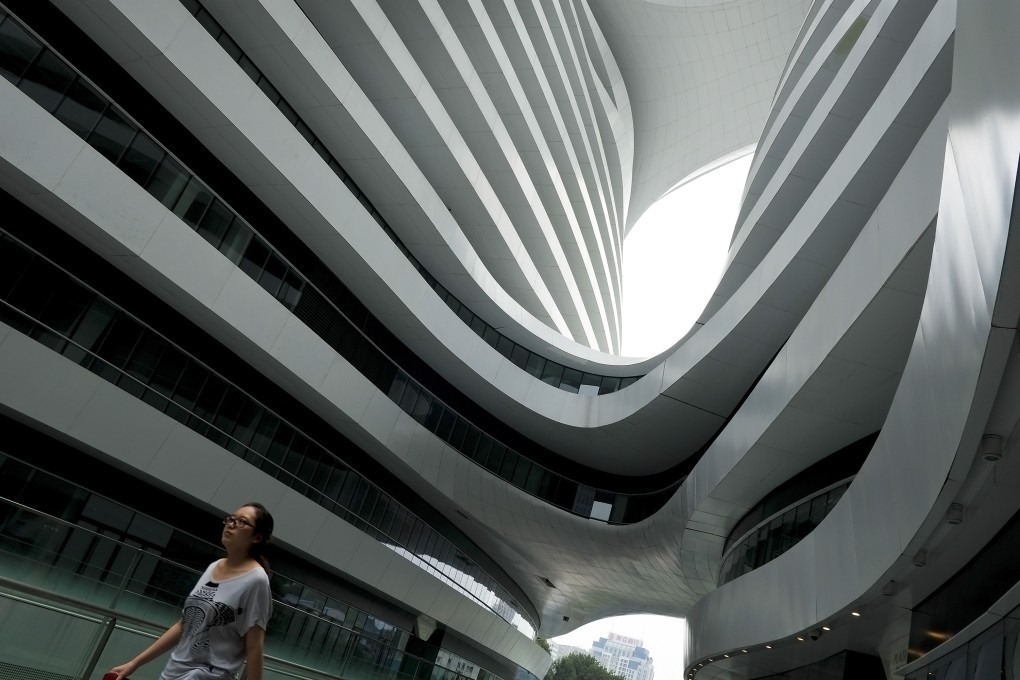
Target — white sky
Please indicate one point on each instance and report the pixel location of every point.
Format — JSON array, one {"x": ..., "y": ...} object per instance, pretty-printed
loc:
[
  {"x": 672, "y": 261},
  {"x": 664, "y": 637},
  {"x": 673, "y": 258}
]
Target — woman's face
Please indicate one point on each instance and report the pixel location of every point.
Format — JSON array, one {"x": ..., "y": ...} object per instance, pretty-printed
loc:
[{"x": 239, "y": 529}]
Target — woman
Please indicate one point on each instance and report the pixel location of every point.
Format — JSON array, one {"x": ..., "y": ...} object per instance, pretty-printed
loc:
[{"x": 223, "y": 623}]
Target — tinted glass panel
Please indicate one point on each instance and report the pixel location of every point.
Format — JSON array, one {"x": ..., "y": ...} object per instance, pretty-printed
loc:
[
  {"x": 46, "y": 80},
  {"x": 81, "y": 108},
  {"x": 141, "y": 158},
  {"x": 17, "y": 50},
  {"x": 112, "y": 134}
]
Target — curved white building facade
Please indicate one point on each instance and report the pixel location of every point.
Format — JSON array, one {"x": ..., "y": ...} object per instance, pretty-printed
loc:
[{"x": 361, "y": 260}]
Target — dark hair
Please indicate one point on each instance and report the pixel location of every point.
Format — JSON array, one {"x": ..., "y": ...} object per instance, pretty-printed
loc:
[{"x": 264, "y": 526}]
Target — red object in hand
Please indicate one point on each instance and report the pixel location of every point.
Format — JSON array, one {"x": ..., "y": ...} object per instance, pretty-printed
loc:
[{"x": 110, "y": 676}]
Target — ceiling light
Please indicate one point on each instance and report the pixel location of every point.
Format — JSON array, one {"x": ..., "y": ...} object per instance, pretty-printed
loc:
[
  {"x": 855, "y": 613},
  {"x": 744, "y": 651},
  {"x": 826, "y": 628},
  {"x": 768, "y": 646},
  {"x": 800, "y": 638},
  {"x": 991, "y": 447},
  {"x": 954, "y": 515},
  {"x": 921, "y": 558}
]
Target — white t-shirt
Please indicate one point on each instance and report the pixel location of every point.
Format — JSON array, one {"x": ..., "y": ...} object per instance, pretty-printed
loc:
[{"x": 215, "y": 618}]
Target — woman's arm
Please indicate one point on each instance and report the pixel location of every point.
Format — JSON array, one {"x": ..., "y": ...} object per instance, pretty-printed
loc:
[
  {"x": 254, "y": 644},
  {"x": 162, "y": 645}
]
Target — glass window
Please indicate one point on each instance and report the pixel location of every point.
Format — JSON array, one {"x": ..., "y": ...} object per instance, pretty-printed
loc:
[
  {"x": 66, "y": 306},
  {"x": 521, "y": 473},
  {"x": 491, "y": 336},
  {"x": 272, "y": 274},
  {"x": 495, "y": 459},
  {"x": 435, "y": 412},
  {"x": 96, "y": 320},
  {"x": 236, "y": 241},
  {"x": 169, "y": 369},
  {"x": 410, "y": 398},
  {"x": 255, "y": 257},
  {"x": 479, "y": 326},
  {"x": 423, "y": 407},
  {"x": 168, "y": 181},
  {"x": 535, "y": 365},
  {"x": 552, "y": 373},
  {"x": 470, "y": 442},
  {"x": 506, "y": 469},
  {"x": 571, "y": 380},
  {"x": 112, "y": 134},
  {"x": 146, "y": 355},
  {"x": 609, "y": 384},
  {"x": 46, "y": 80},
  {"x": 290, "y": 289},
  {"x": 81, "y": 108},
  {"x": 446, "y": 422},
  {"x": 459, "y": 430},
  {"x": 208, "y": 23},
  {"x": 229, "y": 46},
  {"x": 17, "y": 50},
  {"x": 193, "y": 202},
  {"x": 249, "y": 68},
  {"x": 120, "y": 341},
  {"x": 306, "y": 132},
  {"x": 519, "y": 356},
  {"x": 505, "y": 346},
  {"x": 141, "y": 158},
  {"x": 215, "y": 223},
  {"x": 590, "y": 384}
]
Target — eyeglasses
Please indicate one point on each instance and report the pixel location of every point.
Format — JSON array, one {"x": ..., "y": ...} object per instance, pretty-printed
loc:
[{"x": 234, "y": 521}]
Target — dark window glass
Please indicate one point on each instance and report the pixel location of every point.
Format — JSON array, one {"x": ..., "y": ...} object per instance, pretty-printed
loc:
[
  {"x": 470, "y": 442},
  {"x": 236, "y": 241},
  {"x": 193, "y": 202},
  {"x": 272, "y": 274},
  {"x": 609, "y": 384},
  {"x": 495, "y": 459},
  {"x": 229, "y": 409},
  {"x": 465, "y": 314},
  {"x": 264, "y": 432},
  {"x": 397, "y": 387},
  {"x": 446, "y": 423},
  {"x": 519, "y": 357},
  {"x": 478, "y": 326},
  {"x": 17, "y": 50},
  {"x": 627, "y": 382},
  {"x": 571, "y": 380},
  {"x": 255, "y": 258},
  {"x": 14, "y": 260},
  {"x": 459, "y": 430},
  {"x": 321, "y": 150},
  {"x": 590, "y": 384},
  {"x": 96, "y": 320},
  {"x": 192, "y": 6},
  {"x": 81, "y": 108},
  {"x": 505, "y": 346},
  {"x": 229, "y": 46},
  {"x": 535, "y": 365},
  {"x": 483, "y": 449},
  {"x": 168, "y": 181},
  {"x": 192, "y": 380},
  {"x": 46, "y": 80},
  {"x": 290, "y": 289},
  {"x": 141, "y": 158},
  {"x": 268, "y": 89},
  {"x": 120, "y": 341},
  {"x": 552, "y": 373},
  {"x": 66, "y": 306},
  {"x": 215, "y": 223},
  {"x": 112, "y": 134},
  {"x": 491, "y": 336},
  {"x": 535, "y": 477},
  {"x": 146, "y": 355},
  {"x": 249, "y": 68},
  {"x": 208, "y": 23},
  {"x": 209, "y": 398},
  {"x": 506, "y": 469},
  {"x": 521, "y": 472},
  {"x": 288, "y": 111},
  {"x": 306, "y": 132},
  {"x": 410, "y": 398},
  {"x": 422, "y": 407},
  {"x": 435, "y": 412},
  {"x": 168, "y": 371}
]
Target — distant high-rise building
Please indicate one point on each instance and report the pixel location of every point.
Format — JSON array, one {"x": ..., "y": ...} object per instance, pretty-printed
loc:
[
  {"x": 558, "y": 651},
  {"x": 624, "y": 656}
]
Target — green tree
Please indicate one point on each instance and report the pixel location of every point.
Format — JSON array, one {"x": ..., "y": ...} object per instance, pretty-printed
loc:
[
  {"x": 579, "y": 667},
  {"x": 543, "y": 643}
]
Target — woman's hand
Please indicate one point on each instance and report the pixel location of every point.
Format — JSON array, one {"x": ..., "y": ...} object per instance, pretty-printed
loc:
[{"x": 124, "y": 670}]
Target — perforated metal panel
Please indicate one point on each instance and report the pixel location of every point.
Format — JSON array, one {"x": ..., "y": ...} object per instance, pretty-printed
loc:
[{"x": 10, "y": 671}]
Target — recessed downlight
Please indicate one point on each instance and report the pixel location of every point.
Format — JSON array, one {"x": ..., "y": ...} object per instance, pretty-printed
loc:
[{"x": 855, "y": 613}]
